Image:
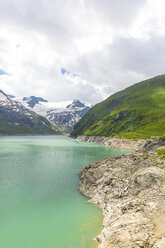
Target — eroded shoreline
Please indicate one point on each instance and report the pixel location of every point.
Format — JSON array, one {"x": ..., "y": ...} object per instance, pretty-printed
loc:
[
  {"x": 113, "y": 142},
  {"x": 130, "y": 190}
]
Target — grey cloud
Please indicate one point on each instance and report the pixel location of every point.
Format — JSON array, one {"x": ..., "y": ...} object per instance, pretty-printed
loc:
[
  {"x": 117, "y": 65},
  {"x": 45, "y": 82},
  {"x": 51, "y": 18},
  {"x": 142, "y": 56},
  {"x": 119, "y": 13},
  {"x": 61, "y": 20},
  {"x": 124, "y": 62}
]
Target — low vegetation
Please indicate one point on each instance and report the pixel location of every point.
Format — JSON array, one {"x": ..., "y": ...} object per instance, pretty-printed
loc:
[{"x": 136, "y": 112}]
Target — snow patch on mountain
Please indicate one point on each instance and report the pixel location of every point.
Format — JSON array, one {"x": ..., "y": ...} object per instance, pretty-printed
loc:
[
  {"x": 17, "y": 119},
  {"x": 64, "y": 114}
]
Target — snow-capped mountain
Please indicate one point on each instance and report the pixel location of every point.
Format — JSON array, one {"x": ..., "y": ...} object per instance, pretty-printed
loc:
[
  {"x": 16, "y": 119},
  {"x": 63, "y": 114}
]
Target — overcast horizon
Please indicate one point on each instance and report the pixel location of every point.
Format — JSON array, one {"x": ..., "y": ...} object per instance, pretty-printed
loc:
[{"x": 84, "y": 49}]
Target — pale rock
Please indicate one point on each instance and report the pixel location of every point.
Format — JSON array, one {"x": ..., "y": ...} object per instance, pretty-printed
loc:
[{"x": 131, "y": 193}]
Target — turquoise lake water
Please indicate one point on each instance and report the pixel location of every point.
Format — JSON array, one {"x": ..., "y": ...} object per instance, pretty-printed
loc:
[{"x": 40, "y": 206}]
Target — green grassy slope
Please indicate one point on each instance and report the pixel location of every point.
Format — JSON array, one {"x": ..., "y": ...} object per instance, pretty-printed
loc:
[
  {"x": 15, "y": 119},
  {"x": 39, "y": 125},
  {"x": 31, "y": 128},
  {"x": 136, "y": 112}
]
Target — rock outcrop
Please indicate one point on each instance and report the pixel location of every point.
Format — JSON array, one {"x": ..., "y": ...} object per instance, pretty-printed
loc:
[
  {"x": 15, "y": 119},
  {"x": 139, "y": 145},
  {"x": 63, "y": 114},
  {"x": 114, "y": 142},
  {"x": 131, "y": 193}
]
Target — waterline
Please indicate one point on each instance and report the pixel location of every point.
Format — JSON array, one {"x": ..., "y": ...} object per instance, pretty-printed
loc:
[{"x": 40, "y": 205}]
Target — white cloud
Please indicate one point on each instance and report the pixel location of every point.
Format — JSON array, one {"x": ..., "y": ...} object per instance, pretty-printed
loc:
[{"x": 108, "y": 44}]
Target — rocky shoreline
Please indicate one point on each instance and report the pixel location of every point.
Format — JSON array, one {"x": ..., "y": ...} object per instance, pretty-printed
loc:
[
  {"x": 130, "y": 190},
  {"x": 113, "y": 142}
]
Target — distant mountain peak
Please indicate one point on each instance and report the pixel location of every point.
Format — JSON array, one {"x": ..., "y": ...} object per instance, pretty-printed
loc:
[
  {"x": 63, "y": 114},
  {"x": 76, "y": 104},
  {"x": 33, "y": 100},
  {"x": 17, "y": 119}
]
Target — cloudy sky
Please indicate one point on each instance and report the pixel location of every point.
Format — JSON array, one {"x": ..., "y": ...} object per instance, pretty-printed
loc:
[{"x": 79, "y": 49}]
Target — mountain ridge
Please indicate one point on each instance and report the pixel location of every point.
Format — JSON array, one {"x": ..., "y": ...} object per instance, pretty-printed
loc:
[
  {"x": 15, "y": 119},
  {"x": 128, "y": 113},
  {"x": 63, "y": 114}
]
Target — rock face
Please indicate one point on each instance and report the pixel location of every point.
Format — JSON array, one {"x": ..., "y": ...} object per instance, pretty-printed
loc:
[
  {"x": 16, "y": 119},
  {"x": 63, "y": 114},
  {"x": 113, "y": 142},
  {"x": 32, "y": 100},
  {"x": 131, "y": 193},
  {"x": 65, "y": 118}
]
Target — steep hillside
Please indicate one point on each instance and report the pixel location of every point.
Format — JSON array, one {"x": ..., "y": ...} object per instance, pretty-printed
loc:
[
  {"x": 136, "y": 112},
  {"x": 16, "y": 119}
]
